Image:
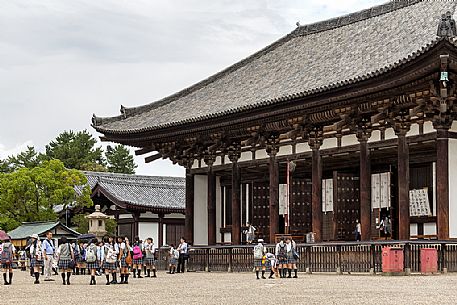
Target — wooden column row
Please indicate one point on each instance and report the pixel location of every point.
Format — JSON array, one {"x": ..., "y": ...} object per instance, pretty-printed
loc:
[{"x": 189, "y": 222}]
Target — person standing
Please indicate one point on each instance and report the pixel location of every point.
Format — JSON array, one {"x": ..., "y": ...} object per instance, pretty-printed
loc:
[
  {"x": 281, "y": 255},
  {"x": 92, "y": 258},
  {"x": 150, "y": 250},
  {"x": 66, "y": 259},
  {"x": 358, "y": 230},
  {"x": 115, "y": 247},
  {"x": 7, "y": 256},
  {"x": 250, "y": 233},
  {"x": 137, "y": 257},
  {"x": 259, "y": 252},
  {"x": 36, "y": 257},
  {"x": 292, "y": 257},
  {"x": 125, "y": 260},
  {"x": 173, "y": 256},
  {"x": 48, "y": 255},
  {"x": 108, "y": 258},
  {"x": 183, "y": 255}
]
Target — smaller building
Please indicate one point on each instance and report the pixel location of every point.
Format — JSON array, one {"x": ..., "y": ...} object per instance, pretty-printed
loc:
[
  {"x": 144, "y": 206},
  {"x": 21, "y": 234}
]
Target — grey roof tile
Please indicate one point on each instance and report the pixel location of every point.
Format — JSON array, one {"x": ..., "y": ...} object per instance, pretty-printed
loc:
[{"x": 312, "y": 58}]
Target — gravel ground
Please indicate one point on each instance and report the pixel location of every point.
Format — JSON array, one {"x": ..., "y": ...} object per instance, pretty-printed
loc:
[{"x": 237, "y": 288}]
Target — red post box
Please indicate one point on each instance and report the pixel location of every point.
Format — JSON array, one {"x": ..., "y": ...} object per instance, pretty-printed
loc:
[
  {"x": 429, "y": 260},
  {"x": 392, "y": 260}
]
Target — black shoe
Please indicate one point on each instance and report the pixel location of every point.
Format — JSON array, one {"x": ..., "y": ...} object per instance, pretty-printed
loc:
[
  {"x": 139, "y": 276},
  {"x": 108, "y": 283},
  {"x": 295, "y": 276},
  {"x": 36, "y": 282},
  {"x": 154, "y": 275},
  {"x": 264, "y": 277}
]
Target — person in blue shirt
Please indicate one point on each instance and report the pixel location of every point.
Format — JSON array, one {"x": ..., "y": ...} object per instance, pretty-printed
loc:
[{"x": 48, "y": 249}]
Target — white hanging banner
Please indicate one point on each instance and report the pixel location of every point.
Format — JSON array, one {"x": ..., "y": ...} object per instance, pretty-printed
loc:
[
  {"x": 327, "y": 195},
  {"x": 375, "y": 191},
  {"x": 282, "y": 198},
  {"x": 385, "y": 190},
  {"x": 419, "y": 204}
]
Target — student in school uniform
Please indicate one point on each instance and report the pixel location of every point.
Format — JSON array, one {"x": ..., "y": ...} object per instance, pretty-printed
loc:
[
  {"x": 259, "y": 252},
  {"x": 36, "y": 257},
  {"x": 66, "y": 258},
  {"x": 291, "y": 257},
  {"x": 7, "y": 256},
  {"x": 92, "y": 259},
  {"x": 137, "y": 257},
  {"x": 281, "y": 256},
  {"x": 150, "y": 250},
  {"x": 108, "y": 258},
  {"x": 173, "y": 256},
  {"x": 125, "y": 260},
  {"x": 270, "y": 264},
  {"x": 115, "y": 247}
]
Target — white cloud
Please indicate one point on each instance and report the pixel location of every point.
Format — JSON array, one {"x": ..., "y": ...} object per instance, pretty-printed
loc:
[
  {"x": 61, "y": 61},
  {"x": 12, "y": 151}
]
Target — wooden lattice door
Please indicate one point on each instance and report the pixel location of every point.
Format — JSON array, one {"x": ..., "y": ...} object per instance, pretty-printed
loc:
[
  {"x": 260, "y": 209},
  {"x": 347, "y": 205},
  {"x": 300, "y": 206}
]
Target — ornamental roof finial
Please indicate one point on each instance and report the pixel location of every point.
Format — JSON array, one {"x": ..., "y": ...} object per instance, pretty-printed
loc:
[{"x": 446, "y": 27}]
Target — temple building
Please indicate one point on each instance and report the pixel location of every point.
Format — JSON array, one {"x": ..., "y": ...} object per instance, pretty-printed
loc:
[
  {"x": 345, "y": 120},
  {"x": 143, "y": 206}
]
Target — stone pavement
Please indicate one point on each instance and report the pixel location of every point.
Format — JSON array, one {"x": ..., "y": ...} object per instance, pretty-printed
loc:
[{"x": 237, "y": 288}]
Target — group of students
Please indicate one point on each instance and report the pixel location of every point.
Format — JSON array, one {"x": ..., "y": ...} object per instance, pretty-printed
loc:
[
  {"x": 281, "y": 263},
  {"x": 109, "y": 256}
]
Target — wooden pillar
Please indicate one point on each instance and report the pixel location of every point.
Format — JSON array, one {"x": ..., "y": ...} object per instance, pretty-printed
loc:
[
  {"x": 189, "y": 222},
  {"x": 316, "y": 196},
  {"x": 136, "y": 222},
  {"x": 211, "y": 207},
  {"x": 365, "y": 189},
  {"x": 160, "y": 241},
  {"x": 274, "y": 197},
  {"x": 403, "y": 185},
  {"x": 236, "y": 204},
  {"x": 442, "y": 183}
]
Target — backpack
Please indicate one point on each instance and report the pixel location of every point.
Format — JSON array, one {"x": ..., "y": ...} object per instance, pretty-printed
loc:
[
  {"x": 282, "y": 251},
  {"x": 258, "y": 252},
  {"x": 110, "y": 255},
  {"x": 91, "y": 256},
  {"x": 176, "y": 254},
  {"x": 7, "y": 253},
  {"x": 137, "y": 253}
]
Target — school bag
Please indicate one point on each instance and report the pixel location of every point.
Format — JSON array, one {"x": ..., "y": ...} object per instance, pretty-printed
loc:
[
  {"x": 258, "y": 252},
  {"x": 176, "y": 254},
  {"x": 110, "y": 255},
  {"x": 282, "y": 251},
  {"x": 7, "y": 253},
  {"x": 91, "y": 256},
  {"x": 137, "y": 253}
]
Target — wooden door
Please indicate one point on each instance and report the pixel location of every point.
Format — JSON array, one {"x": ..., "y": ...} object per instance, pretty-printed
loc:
[
  {"x": 347, "y": 205},
  {"x": 300, "y": 206},
  {"x": 261, "y": 209}
]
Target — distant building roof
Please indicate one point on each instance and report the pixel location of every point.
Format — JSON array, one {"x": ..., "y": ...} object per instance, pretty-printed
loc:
[
  {"x": 143, "y": 192},
  {"x": 311, "y": 59},
  {"x": 28, "y": 228}
]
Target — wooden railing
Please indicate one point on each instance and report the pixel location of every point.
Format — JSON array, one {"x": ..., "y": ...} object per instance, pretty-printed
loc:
[{"x": 354, "y": 257}]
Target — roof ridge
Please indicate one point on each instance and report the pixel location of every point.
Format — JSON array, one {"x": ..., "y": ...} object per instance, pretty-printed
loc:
[
  {"x": 141, "y": 184},
  {"x": 122, "y": 175},
  {"x": 354, "y": 17},
  {"x": 299, "y": 31}
]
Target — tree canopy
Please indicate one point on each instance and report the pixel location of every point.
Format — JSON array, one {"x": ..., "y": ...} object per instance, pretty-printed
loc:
[
  {"x": 76, "y": 150},
  {"x": 120, "y": 160},
  {"x": 34, "y": 194}
]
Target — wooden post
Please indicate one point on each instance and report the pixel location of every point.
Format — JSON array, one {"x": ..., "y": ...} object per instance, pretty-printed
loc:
[
  {"x": 161, "y": 230},
  {"x": 136, "y": 220},
  {"x": 236, "y": 204},
  {"x": 365, "y": 188},
  {"x": 274, "y": 196},
  {"x": 316, "y": 196},
  {"x": 442, "y": 183},
  {"x": 211, "y": 207},
  {"x": 403, "y": 186},
  {"x": 189, "y": 222}
]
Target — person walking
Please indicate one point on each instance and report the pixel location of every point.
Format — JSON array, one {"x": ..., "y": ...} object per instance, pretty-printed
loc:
[
  {"x": 7, "y": 256},
  {"x": 183, "y": 255},
  {"x": 48, "y": 256},
  {"x": 66, "y": 260},
  {"x": 36, "y": 257},
  {"x": 358, "y": 230},
  {"x": 149, "y": 261}
]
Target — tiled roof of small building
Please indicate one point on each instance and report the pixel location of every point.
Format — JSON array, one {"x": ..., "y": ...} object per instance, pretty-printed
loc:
[
  {"x": 25, "y": 230},
  {"x": 153, "y": 192},
  {"x": 313, "y": 58}
]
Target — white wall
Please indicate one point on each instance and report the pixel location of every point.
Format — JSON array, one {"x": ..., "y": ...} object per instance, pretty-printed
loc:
[
  {"x": 412, "y": 229},
  {"x": 125, "y": 216},
  {"x": 452, "y": 188},
  {"x": 148, "y": 229},
  {"x": 201, "y": 210},
  {"x": 174, "y": 215},
  {"x": 218, "y": 209},
  {"x": 148, "y": 215},
  {"x": 430, "y": 228},
  {"x": 164, "y": 239}
]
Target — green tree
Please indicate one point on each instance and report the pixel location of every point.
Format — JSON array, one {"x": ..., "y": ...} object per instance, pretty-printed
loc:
[
  {"x": 76, "y": 150},
  {"x": 29, "y": 159},
  {"x": 5, "y": 166},
  {"x": 31, "y": 194},
  {"x": 82, "y": 224},
  {"x": 120, "y": 160}
]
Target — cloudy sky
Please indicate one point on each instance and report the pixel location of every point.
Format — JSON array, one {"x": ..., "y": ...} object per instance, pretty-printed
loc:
[{"x": 63, "y": 60}]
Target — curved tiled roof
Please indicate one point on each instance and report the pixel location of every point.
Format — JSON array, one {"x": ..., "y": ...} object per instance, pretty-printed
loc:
[
  {"x": 311, "y": 59},
  {"x": 153, "y": 192}
]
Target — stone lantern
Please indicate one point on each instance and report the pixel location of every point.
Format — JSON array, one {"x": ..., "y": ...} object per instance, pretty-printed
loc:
[{"x": 97, "y": 222}]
